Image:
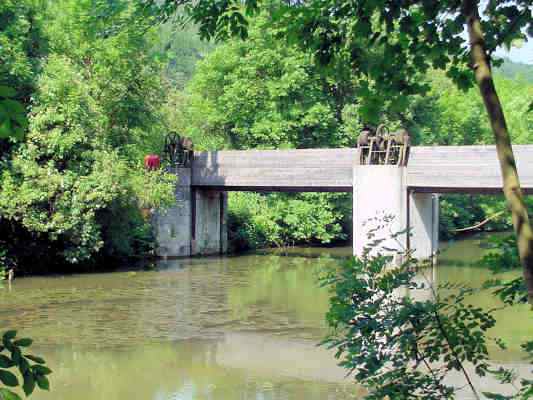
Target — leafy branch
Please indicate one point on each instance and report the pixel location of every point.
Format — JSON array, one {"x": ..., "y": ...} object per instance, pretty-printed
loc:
[
  {"x": 31, "y": 368},
  {"x": 399, "y": 345}
]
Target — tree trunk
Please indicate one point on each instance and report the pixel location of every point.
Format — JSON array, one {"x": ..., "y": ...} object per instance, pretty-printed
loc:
[{"x": 511, "y": 183}]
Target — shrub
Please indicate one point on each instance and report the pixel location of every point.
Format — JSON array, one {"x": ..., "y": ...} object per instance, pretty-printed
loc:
[
  {"x": 257, "y": 220},
  {"x": 68, "y": 183}
]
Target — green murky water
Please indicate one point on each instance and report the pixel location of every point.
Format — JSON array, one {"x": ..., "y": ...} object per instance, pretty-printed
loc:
[{"x": 241, "y": 327}]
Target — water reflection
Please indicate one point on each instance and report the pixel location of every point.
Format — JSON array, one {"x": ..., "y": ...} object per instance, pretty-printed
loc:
[
  {"x": 199, "y": 298},
  {"x": 208, "y": 328},
  {"x": 514, "y": 325},
  {"x": 190, "y": 369},
  {"x": 214, "y": 328}
]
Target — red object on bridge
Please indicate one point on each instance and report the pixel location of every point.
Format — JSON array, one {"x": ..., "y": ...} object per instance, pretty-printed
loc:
[{"x": 152, "y": 161}]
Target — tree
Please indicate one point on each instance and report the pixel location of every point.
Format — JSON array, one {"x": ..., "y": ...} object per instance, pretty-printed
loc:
[
  {"x": 412, "y": 37},
  {"x": 180, "y": 50},
  {"x": 261, "y": 93},
  {"x": 72, "y": 190},
  {"x": 511, "y": 184},
  {"x": 447, "y": 115}
]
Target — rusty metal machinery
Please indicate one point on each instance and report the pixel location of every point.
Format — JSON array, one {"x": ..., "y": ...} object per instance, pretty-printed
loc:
[
  {"x": 177, "y": 150},
  {"x": 380, "y": 147}
]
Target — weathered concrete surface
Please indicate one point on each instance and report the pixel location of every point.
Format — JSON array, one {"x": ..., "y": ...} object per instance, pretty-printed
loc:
[
  {"x": 433, "y": 169},
  {"x": 383, "y": 209},
  {"x": 275, "y": 170},
  {"x": 379, "y": 208},
  {"x": 464, "y": 169},
  {"x": 423, "y": 222},
  {"x": 197, "y": 225},
  {"x": 210, "y": 233},
  {"x": 173, "y": 226}
]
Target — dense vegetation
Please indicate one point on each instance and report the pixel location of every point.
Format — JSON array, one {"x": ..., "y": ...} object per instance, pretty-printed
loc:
[
  {"x": 397, "y": 345},
  {"x": 99, "y": 95},
  {"x": 87, "y": 88},
  {"x": 71, "y": 189},
  {"x": 257, "y": 221}
]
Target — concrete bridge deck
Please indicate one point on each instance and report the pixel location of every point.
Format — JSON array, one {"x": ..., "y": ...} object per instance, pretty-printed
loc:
[
  {"x": 198, "y": 222},
  {"x": 432, "y": 169}
]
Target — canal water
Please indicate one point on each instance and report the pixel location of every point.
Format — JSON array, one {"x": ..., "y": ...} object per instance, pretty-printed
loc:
[{"x": 243, "y": 327}]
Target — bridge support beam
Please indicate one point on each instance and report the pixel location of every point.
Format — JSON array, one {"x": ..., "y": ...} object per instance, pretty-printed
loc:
[
  {"x": 383, "y": 209},
  {"x": 196, "y": 225},
  {"x": 210, "y": 234},
  {"x": 172, "y": 227},
  {"x": 423, "y": 220}
]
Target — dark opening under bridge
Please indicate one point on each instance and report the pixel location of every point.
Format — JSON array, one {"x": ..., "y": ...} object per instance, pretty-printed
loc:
[{"x": 197, "y": 225}]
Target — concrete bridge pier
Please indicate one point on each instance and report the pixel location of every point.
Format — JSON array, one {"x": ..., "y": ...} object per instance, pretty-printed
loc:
[
  {"x": 196, "y": 225},
  {"x": 385, "y": 207},
  {"x": 423, "y": 220},
  {"x": 209, "y": 230},
  {"x": 172, "y": 227},
  {"x": 384, "y": 211}
]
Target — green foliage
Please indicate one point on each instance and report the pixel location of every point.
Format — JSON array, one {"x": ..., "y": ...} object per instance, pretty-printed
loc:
[
  {"x": 262, "y": 93},
  {"x": 502, "y": 254},
  {"x": 386, "y": 42},
  {"x": 31, "y": 368},
  {"x": 21, "y": 43},
  {"x": 510, "y": 291},
  {"x": 180, "y": 48},
  {"x": 21, "y": 48},
  {"x": 257, "y": 221},
  {"x": 13, "y": 121},
  {"x": 401, "y": 344},
  {"x": 267, "y": 92},
  {"x": 75, "y": 186},
  {"x": 68, "y": 173},
  {"x": 516, "y": 71},
  {"x": 449, "y": 116},
  {"x": 462, "y": 211}
]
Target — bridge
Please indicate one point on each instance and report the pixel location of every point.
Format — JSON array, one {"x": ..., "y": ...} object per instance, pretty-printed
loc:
[{"x": 197, "y": 225}]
